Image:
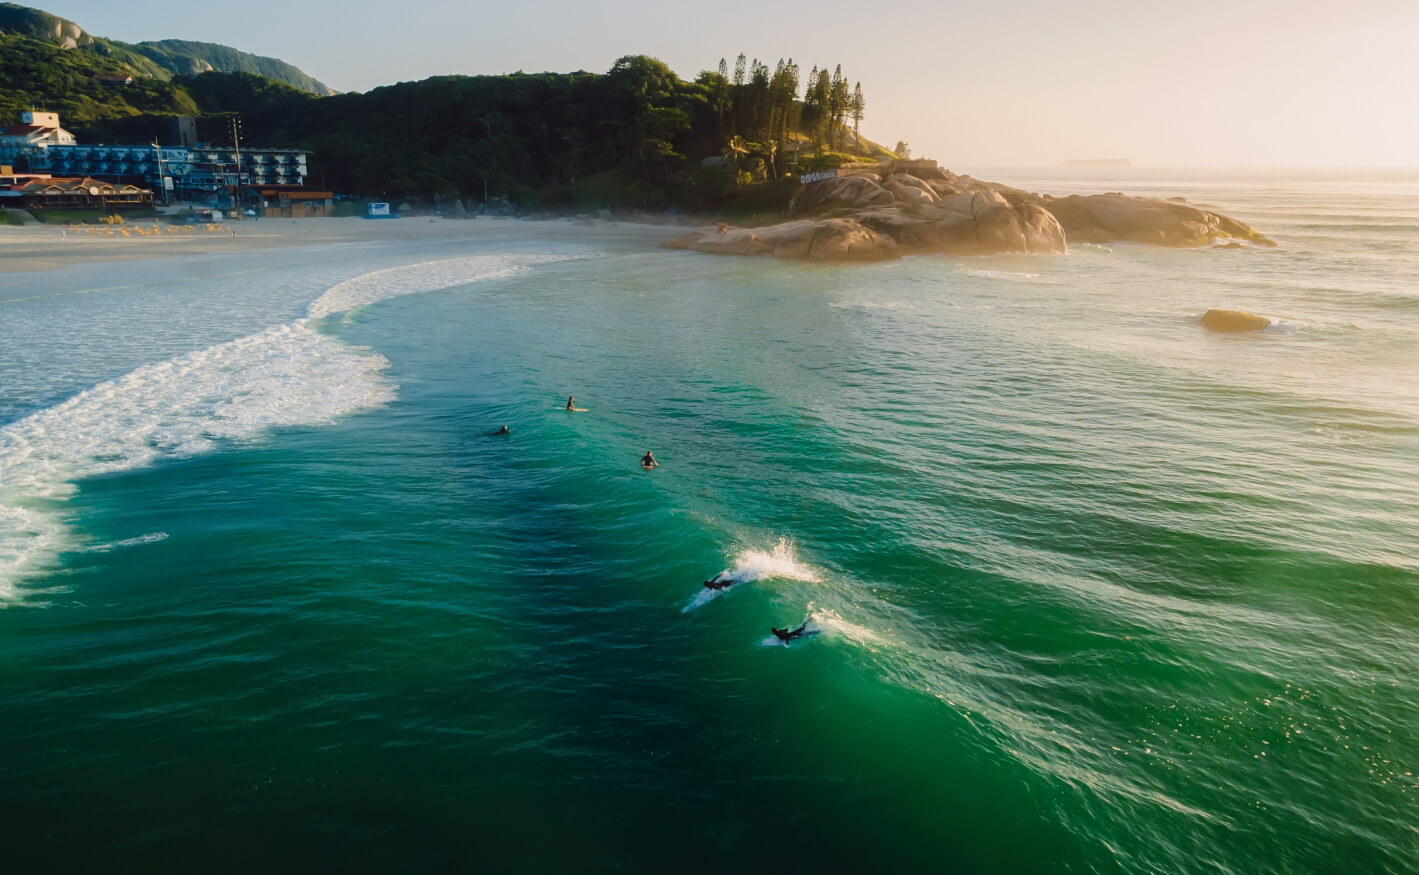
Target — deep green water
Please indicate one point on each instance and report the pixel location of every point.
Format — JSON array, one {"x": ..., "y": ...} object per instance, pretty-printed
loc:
[{"x": 1096, "y": 591}]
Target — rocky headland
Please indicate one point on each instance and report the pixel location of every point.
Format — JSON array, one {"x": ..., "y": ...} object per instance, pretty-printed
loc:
[{"x": 873, "y": 213}]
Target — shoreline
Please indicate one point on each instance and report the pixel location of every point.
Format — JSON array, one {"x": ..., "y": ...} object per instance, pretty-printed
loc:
[{"x": 34, "y": 249}]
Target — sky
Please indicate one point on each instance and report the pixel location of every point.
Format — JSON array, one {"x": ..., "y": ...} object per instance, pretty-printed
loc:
[{"x": 1009, "y": 83}]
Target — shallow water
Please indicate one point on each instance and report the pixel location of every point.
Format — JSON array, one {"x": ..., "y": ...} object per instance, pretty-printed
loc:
[{"x": 1095, "y": 590}]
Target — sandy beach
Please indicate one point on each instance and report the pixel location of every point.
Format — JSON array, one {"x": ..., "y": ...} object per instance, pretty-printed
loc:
[{"x": 41, "y": 247}]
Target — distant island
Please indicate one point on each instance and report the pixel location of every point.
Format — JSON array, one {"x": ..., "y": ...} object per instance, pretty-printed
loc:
[{"x": 1097, "y": 162}]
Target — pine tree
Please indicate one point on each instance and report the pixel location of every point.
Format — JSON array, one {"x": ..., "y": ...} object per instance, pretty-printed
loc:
[
  {"x": 857, "y": 107},
  {"x": 721, "y": 96},
  {"x": 838, "y": 97},
  {"x": 822, "y": 117}
]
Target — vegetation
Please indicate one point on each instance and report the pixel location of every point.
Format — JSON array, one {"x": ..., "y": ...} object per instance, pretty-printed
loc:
[
  {"x": 7, "y": 217},
  {"x": 159, "y": 60},
  {"x": 183, "y": 57},
  {"x": 40, "y": 75},
  {"x": 635, "y": 136}
]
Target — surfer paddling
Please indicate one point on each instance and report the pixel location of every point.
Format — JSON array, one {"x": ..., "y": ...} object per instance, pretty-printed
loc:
[
  {"x": 722, "y": 580},
  {"x": 499, "y": 433},
  {"x": 787, "y": 635}
]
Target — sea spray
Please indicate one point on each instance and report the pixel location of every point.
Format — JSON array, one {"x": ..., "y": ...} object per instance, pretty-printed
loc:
[{"x": 751, "y": 564}]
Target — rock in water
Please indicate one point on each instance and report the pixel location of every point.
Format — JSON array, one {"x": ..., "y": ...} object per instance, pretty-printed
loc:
[
  {"x": 1234, "y": 321},
  {"x": 873, "y": 214},
  {"x": 808, "y": 240},
  {"x": 1108, "y": 218}
]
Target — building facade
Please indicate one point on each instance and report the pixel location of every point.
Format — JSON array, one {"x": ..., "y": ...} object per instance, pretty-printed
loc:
[
  {"x": 201, "y": 172},
  {"x": 37, "y": 132},
  {"x": 293, "y": 202},
  {"x": 72, "y": 194}
]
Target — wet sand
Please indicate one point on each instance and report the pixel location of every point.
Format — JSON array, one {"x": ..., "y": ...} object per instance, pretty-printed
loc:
[{"x": 48, "y": 247}]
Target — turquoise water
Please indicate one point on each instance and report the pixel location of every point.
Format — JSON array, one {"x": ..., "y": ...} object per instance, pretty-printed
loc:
[{"x": 1094, "y": 589}]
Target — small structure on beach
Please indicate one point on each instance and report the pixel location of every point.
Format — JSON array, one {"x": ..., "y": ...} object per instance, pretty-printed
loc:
[
  {"x": 82, "y": 194},
  {"x": 294, "y": 202}
]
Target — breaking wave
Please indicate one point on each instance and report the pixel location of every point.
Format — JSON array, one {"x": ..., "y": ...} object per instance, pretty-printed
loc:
[{"x": 289, "y": 375}]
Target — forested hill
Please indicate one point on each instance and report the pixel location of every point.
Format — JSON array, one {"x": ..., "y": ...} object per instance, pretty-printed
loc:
[
  {"x": 637, "y": 135},
  {"x": 186, "y": 58},
  {"x": 42, "y": 34}
]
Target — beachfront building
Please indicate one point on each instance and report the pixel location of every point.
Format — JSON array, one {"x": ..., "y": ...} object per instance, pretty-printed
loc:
[
  {"x": 201, "y": 173},
  {"x": 82, "y": 194},
  {"x": 294, "y": 202},
  {"x": 22, "y": 144}
]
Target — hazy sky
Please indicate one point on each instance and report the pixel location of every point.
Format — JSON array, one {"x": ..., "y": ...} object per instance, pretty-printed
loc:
[{"x": 1004, "y": 83}]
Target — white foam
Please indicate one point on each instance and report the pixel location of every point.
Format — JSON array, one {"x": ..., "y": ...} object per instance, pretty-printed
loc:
[
  {"x": 175, "y": 409},
  {"x": 428, "y": 276},
  {"x": 751, "y": 565},
  {"x": 285, "y": 376},
  {"x": 872, "y": 305},
  {"x": 1008, "y": 276},
  {"x": 150, "y": 538},
  {"x": 413, "y": 279},
  {"x": 828, "y": 622}
]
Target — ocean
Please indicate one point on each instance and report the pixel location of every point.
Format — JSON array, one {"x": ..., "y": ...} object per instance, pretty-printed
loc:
[{"x": 1088, "y": 587}]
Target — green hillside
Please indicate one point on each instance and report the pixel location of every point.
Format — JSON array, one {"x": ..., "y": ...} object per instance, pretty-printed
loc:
[
  {"x": 40, "y": 25},
  {"x": 41, "y": 75},
  {"x": 161, "y": 59},
  {"x": 184, "y": 57},
  {"x": 637, "y": 135}
]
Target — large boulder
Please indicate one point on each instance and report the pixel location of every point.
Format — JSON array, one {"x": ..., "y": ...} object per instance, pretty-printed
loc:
[
  {"x": 1105, "y": 218},
  {"x": 860, "y": 192},
  {"x": 1234, "y": 321},
  {"x": 985, "y": 223},
  {"x": 910, "y": 192},
  {"x": 913, "y": 234},
  {"x": 805, "y": 240},
  {"x": 863, "y": 217}
]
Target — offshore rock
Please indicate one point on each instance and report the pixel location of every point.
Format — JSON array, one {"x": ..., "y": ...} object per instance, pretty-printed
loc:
[
  {"x": 809, "y": 240},
  {"x": 1234, "y": 321},
  {"x": 872, "y": 214},
  {"x": 1107, "y": 218}
]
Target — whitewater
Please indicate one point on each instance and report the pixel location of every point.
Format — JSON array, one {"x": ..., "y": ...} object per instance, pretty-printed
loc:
[{"x": 289, "y": 375}]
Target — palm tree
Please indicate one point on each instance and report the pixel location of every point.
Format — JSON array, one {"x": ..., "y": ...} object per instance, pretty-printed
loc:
[
  {"x": 770, "y": 152},
  {"x": 735, "y": 149}
]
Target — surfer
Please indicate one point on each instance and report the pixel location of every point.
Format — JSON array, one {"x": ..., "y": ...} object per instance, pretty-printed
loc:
[
  {"x": 722, "y": 580},
  {"x": 648, "y": 461},
  {"x": 570, "y": 399},
  {"x": 499, "y": 433},
  {"x": 787, "y": 635}
]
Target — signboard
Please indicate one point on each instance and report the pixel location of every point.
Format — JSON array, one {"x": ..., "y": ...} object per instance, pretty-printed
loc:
[
  {"x": 379, "y": 209},
  {"x": 818, "y": 177},
  {"x": 167, "y": 183}
]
